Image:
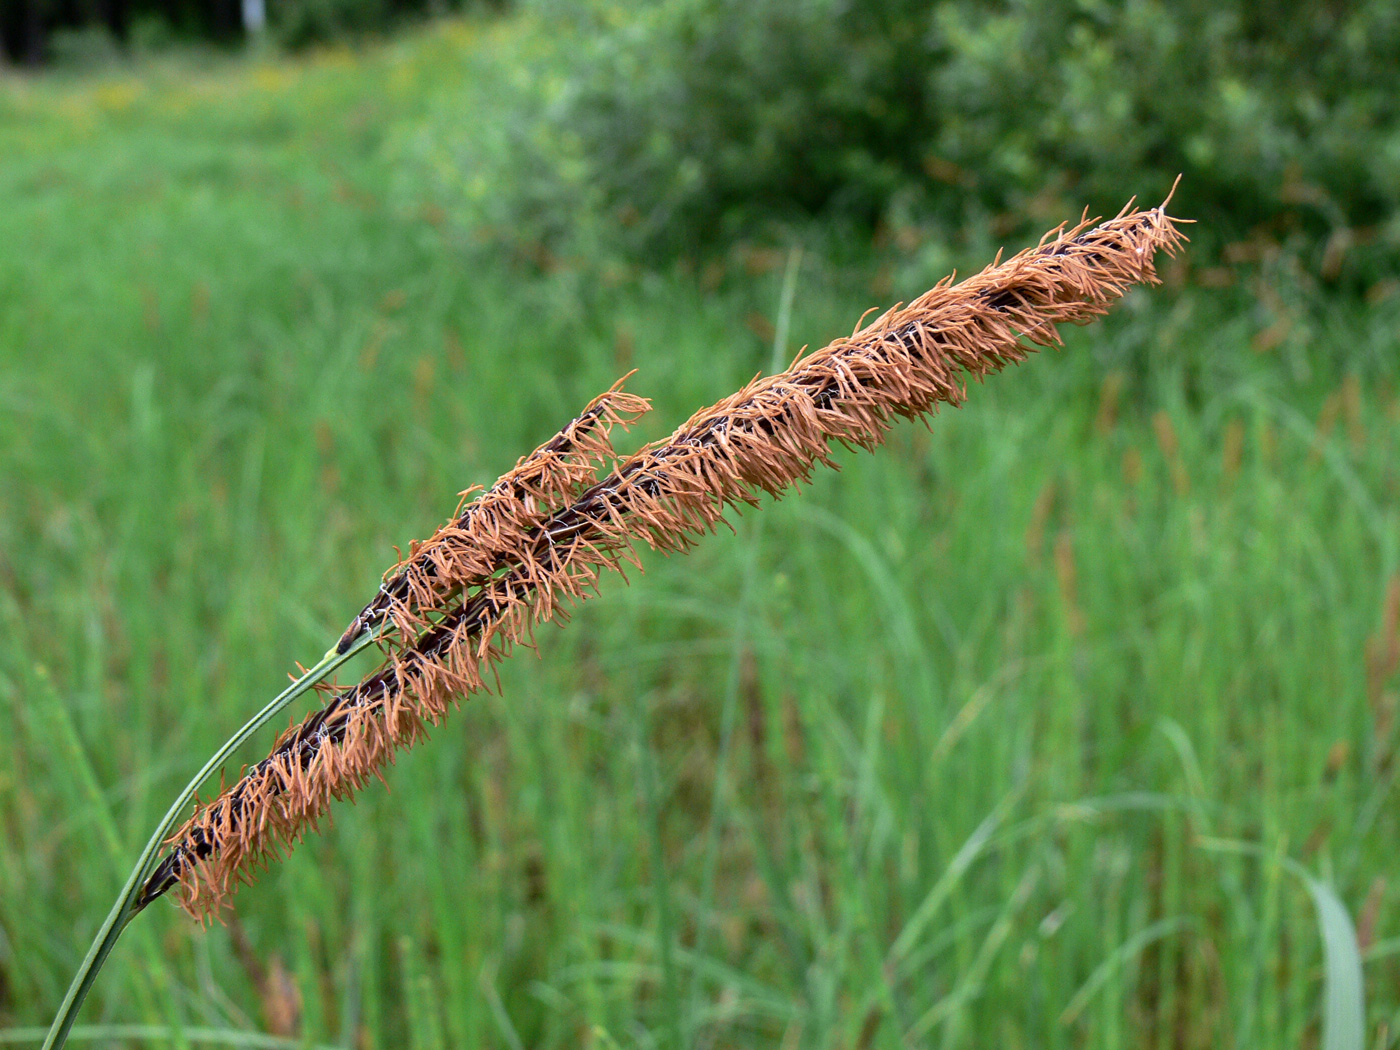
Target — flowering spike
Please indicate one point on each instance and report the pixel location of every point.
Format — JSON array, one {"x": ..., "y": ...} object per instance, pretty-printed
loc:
[{"x": 540, "y": 538}]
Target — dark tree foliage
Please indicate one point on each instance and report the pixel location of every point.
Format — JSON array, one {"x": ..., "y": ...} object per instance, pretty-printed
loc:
[{"x": 27, "y": 26}]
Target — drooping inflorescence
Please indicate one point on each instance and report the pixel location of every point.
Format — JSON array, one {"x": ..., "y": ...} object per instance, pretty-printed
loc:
[{"x": 540, "y": 538}]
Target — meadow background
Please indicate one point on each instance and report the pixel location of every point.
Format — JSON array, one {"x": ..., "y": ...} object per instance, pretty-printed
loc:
[{"x": 1019, "y": 732}]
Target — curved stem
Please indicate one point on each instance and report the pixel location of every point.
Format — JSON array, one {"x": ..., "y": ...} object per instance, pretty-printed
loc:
[{"x": 124, "y": 910}]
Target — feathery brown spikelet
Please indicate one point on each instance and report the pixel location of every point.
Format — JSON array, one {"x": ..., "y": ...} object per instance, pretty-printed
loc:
[
  {"x": 539, "y": 539},
  {"x": 482, "y": 536}
]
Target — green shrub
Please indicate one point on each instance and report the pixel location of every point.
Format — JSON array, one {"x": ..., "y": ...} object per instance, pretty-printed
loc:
[
  {"x": 85, "y": 47},
  {"x": 684, "y": 121},
  {"x": 299, "y": 23}
]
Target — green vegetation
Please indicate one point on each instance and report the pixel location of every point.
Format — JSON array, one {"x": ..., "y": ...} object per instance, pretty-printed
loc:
[
  {"x": 685, "y": 121},
  {"x": 1012, "y": 734}
]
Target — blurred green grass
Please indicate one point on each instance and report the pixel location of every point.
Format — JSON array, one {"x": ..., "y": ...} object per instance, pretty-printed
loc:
[{"x": 939, "y": 751}]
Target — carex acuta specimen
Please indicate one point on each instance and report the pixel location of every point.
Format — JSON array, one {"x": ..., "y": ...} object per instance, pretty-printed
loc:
[{"x": 541, "y": 538}]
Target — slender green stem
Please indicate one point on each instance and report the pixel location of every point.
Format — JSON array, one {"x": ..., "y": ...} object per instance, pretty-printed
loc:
[
  {"x": 742, "y": 616},
  {"x": 651, "y": 796},
  {"x": 124, "y": 910}
]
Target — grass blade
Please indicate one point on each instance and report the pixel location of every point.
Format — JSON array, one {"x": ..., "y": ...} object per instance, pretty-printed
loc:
[{"x": 1344, "y": 992}]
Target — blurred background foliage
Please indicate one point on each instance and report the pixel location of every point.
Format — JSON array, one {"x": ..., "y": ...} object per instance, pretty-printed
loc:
[
  {"x": 86, "y": 32},
  {"x": 692, "y": 120},
  {"x": 678, "y": 125}
]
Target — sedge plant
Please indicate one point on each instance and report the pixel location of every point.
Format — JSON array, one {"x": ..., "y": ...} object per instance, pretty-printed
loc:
[{"x": 540, "y": 539}]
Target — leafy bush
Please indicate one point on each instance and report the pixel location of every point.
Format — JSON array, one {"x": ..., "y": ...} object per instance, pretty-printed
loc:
[
  {"x": 298, "y": 23},
  {"x": 686, "y": 120},
  {"x": 87, "y": 47}
]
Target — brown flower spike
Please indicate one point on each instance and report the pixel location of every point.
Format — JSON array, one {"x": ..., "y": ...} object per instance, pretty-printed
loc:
[{"x": 539, "y": 539}]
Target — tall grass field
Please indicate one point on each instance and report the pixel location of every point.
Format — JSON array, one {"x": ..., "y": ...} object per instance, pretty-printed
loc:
[{"x": 1068, "y": 721}]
